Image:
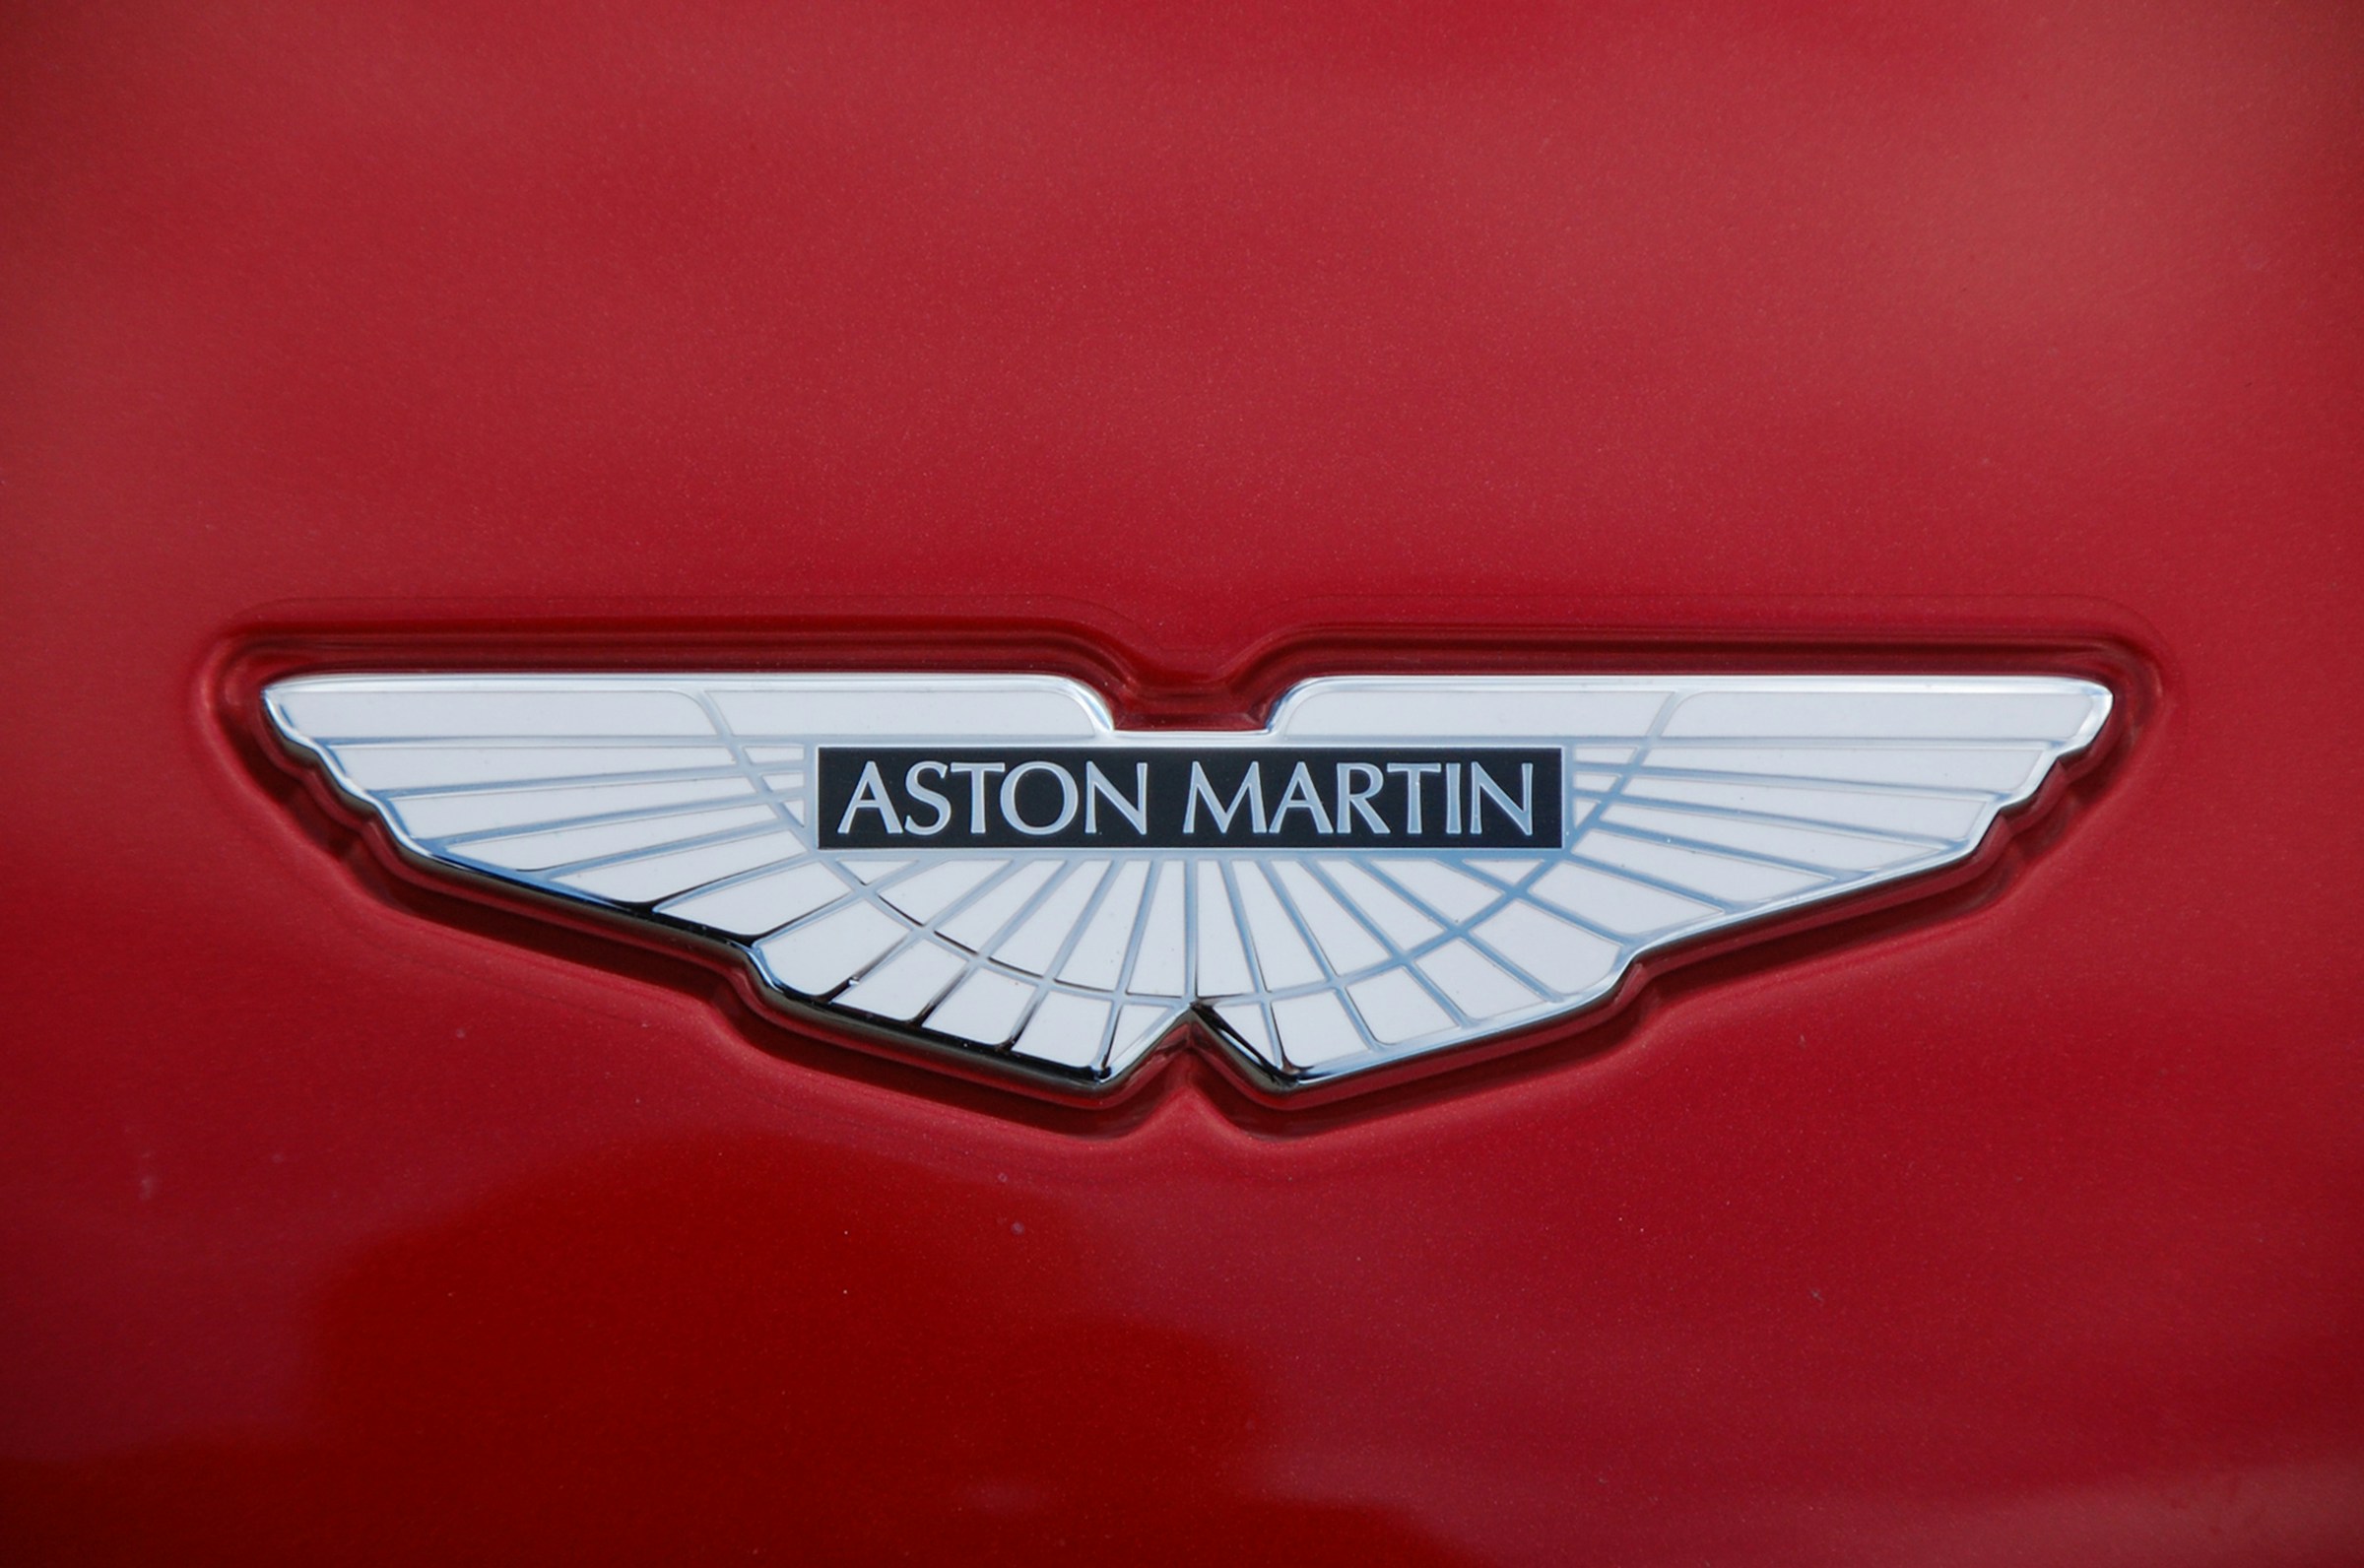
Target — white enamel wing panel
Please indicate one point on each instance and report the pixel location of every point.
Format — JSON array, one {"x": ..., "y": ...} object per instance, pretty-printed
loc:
[{"x": 692, "y": 802}]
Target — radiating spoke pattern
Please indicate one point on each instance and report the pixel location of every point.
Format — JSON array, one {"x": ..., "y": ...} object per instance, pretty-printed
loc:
[{"x": 1692, "y": 804}]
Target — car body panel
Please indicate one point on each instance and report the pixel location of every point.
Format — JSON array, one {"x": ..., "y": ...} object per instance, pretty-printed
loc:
[{"x": 1188, "y": 354}]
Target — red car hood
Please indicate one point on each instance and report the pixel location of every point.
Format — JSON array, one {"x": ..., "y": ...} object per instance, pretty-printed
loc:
[{"x": 1190, "y": 353}]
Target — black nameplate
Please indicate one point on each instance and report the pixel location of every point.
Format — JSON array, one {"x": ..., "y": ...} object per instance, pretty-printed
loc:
[{"x": 1182, "y": 798}]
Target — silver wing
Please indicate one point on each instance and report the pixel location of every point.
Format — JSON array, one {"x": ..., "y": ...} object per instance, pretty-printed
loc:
[{"x": 1692, "y": 804}]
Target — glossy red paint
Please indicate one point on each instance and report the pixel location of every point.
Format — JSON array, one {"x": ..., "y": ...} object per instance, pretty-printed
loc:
[{"x": 1189, "y": 351}]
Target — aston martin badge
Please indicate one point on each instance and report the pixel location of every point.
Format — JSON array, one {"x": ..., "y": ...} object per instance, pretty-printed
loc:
[{"x": 1394, "y": 867}]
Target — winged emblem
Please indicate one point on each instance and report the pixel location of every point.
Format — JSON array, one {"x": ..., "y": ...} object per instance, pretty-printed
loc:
[{"x": 1395, "y": 865}]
